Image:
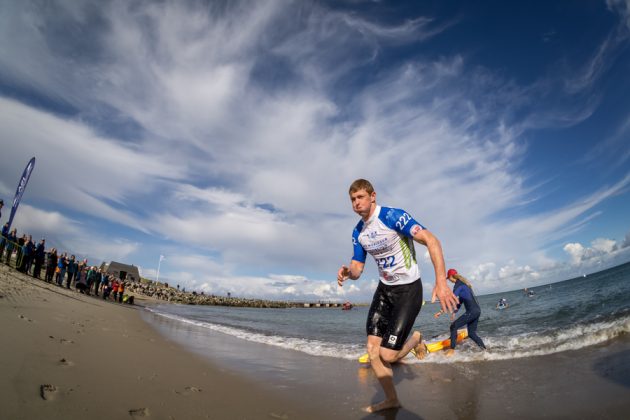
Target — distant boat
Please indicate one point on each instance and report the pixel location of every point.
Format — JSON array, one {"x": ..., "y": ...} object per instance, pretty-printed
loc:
[{"x": 347, "y": 306}]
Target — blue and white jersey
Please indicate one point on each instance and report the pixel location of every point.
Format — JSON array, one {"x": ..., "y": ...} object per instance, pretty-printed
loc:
[{"x": 388, "y": 237}]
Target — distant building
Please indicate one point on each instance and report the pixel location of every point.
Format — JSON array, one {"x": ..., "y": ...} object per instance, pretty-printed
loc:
[{"x": 122, "y": 271}]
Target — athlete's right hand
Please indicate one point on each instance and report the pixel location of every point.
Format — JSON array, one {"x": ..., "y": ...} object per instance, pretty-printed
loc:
[
  {"x": 342, "y": 275},
  {"x": 448, "y": 301}
]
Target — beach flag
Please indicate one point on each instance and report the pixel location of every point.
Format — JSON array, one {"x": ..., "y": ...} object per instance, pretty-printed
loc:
[
  {"x": 21, "y": 187},
  {"x": 161, "y": 257}
]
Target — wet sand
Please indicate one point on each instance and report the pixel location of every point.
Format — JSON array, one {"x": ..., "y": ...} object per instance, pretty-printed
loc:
[{"x": 70, "y": 356}]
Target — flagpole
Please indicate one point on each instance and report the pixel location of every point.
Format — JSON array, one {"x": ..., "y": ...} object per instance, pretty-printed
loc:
[{"x": 157, "y": 278}]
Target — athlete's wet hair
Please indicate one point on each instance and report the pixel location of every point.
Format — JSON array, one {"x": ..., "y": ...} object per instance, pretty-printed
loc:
[{"x": 361, "y": 184}]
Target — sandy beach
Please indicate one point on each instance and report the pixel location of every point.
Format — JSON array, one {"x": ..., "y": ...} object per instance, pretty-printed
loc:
[{"x": 71, "y": 356}]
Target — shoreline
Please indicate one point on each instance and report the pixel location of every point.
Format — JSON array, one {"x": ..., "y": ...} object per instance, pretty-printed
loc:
[{"x": 105, "y": 360}]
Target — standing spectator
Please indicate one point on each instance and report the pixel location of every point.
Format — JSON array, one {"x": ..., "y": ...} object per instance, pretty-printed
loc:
[
  {"x": 91, "y": 278},
  {"x": 105, "y": 286},
  {"x": 51, "y": 265},
  {"x": 103, "y": 282},
  {"x": 62, "y": 265},
  {"x": 1, "y": 205},
  {"x": 121, "y": 290},
  {"x": 4, "y": 239},
  {"x": 40, "y": 257},
  {"x": 80, "y": 275},
  {"x": 28, "y": 251},
  {"x": 11, "y": 243},
  {"x": 81, "y": 282},
  {"x": 72, "y": 271},
  {"x": 98, "y": 277},
  {"x": 19, "y": 251},
  {"x": 115, "y": 289}
]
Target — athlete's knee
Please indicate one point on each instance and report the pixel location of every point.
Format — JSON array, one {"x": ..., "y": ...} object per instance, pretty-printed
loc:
[
  {"x": 373, "y": 350},
  {"x": 390, "y": 356}
]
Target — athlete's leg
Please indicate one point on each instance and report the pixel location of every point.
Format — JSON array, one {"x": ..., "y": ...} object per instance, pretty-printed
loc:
[
  {"x": 381, "y": 359},
  {"x": 472, "y": 333},
  {"x": 407, "y": 304},
  {"x": 415, "y": 344},
  {"x": 457, "y": 324}
]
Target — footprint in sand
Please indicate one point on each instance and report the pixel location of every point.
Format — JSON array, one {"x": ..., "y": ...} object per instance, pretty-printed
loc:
[
  {"x": 65, "y": 362},
  {"x": 25, "y": 318},
  {"x": 62, "y": 340},
  {"x": 47, "y": 392},
  {"x": 188, "y": 390},
  {"x": 139, "y": 412}
]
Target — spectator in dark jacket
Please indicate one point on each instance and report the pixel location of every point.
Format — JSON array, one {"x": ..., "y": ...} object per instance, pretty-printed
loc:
[
  {"x": 28, "y": 251},
  {"x": 72, "y": 270},
  {"x": 51, "y": 265},
  {"x": 40, "y": 257},
  {"x": 4, "y": 239}
]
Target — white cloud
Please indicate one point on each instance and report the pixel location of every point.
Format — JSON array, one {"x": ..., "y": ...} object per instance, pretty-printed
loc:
[
  {"x": 622, "y": 7},
  {"x": 599, "y": 247}
]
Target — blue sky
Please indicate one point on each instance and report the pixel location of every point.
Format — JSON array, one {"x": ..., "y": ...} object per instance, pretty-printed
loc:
[{"x": 224, "y": 135}]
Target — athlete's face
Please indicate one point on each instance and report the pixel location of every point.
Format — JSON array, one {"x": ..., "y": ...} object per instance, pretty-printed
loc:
[{"x": 363, "y": 203}]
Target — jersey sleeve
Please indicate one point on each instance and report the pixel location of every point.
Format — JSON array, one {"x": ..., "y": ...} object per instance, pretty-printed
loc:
[
  {"x": 358, "y": 252},
  {"x": 400, "y": 221}
]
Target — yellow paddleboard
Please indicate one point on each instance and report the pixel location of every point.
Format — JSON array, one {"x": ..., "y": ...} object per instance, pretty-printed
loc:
[
  {"x": 441, "y": 345},
  {"x": 431, "y": 347}
]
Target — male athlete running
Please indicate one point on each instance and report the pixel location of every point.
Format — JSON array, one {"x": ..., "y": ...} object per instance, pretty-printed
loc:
[{"x": 388, "y": 234}]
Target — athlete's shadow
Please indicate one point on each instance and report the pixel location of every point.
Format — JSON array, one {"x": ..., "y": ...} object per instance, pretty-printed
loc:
[
  {"x": 615, "y": 367},
  {"x": 394, "y": 414},
  {"x": 401, "y": 372}
]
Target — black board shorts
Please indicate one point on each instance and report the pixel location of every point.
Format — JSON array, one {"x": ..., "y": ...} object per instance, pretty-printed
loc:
[{"x": 393, "y": 312}]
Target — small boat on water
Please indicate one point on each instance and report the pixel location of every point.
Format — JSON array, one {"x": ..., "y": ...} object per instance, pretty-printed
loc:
[
  {"x": 502, "y": 304},
  {"x": 347, "y": 306}
]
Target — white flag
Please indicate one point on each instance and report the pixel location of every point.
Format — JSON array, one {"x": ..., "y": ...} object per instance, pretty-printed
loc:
[{"x": 161, "y": 257}]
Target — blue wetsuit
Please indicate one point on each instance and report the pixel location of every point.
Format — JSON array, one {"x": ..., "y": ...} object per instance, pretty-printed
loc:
[{"x": 470, "y": 317}]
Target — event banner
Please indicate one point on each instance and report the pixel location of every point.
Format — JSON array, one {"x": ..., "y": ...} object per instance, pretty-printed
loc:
[{"x": 21, "y": 187}]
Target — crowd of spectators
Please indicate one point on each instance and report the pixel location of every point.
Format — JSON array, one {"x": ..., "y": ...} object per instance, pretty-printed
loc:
[{"x": 58, "y": 268}]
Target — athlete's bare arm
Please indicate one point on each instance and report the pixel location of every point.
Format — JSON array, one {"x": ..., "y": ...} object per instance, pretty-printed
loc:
[
  {"x": 441, "y": 291},
  {"x": 353, "y": 272}
]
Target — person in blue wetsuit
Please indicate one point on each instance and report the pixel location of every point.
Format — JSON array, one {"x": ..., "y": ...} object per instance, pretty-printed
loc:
[{"x": 463, "y": 290}]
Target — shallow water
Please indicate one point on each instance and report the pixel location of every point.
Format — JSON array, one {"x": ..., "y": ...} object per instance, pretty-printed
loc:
[{"x": 563, "y": 316}]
